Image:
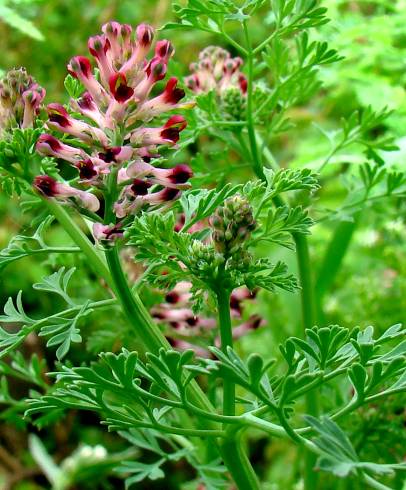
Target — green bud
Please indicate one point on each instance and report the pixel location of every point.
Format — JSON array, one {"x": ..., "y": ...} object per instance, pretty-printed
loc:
[
  {"x": 233, "y": 223},
  {"x": 233, "y": 104}
]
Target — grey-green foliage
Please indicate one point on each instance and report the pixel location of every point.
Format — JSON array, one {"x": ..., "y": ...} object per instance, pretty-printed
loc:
[
  {"x": 130, "y": 394},
  {"x": 61, "y": 328}
]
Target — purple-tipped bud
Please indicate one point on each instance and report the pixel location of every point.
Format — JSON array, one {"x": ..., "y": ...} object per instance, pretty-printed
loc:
[
  {"x": 164, "y": 49},
  {"x": 145, "y": 35},
  {"x": 140, "y": 187},
  {"x": 46, "y": 185},
  {"x": 181, "y": 174},
  {"x": 79, "y": 66}
]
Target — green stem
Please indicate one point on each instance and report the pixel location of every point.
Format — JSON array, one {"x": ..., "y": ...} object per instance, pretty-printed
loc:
[
  {"x": 236, "y": 460},
  {"x": 147, "y": 331},
  {"x": 136, "y": 313},
  {"x": 231, "y": 450},
  {"x": 308, "y": 319},
  {"x": 94, "y": 258},
  {"x": 256, "y": 157},
  {"x": 302, "y": 252},
  {"x": 226, "y": 336}
]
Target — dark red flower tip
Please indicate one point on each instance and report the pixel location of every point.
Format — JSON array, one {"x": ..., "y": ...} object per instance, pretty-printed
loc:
[
  {"x": 119, "y": 88},
  {"x": 164, "y": 49},
  {"x": 243, "y": 82},
  {"x": 49, "y": 140},
  {"x": 98, "y": 45},
  {"x": 112, "y": 27},
  {"x": 80, "y": 64},
  {"x": 140, "y": 187},
  {"x": 172, "y": 297},
  {"x": 86, "y": 102},
  {"x": 169, "y": 194},
  {"x": 126, "y": 31},
  {"x": 86, "y": 169},
  {"x": 181, "y": 174},
  {"x": 145, "y": 34},
  {"x": 172, "y": 94},
  {"x": 192, "y": 321},
  {"x": 156, "y": 69},
  {"x": 58, "y": 114},
  {"x": 46, "y": 185},
  {"x": 109, "y": 154},
  {"x": 173, "y": 127},
  {"x": 255, "y": 322},
  {"x": 235, "y": 303}
]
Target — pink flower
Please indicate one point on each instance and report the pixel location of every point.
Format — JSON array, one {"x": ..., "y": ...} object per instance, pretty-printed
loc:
[
  {"x": 107, "y": 234},
  {"x": 110, "y": 118},
  {"x": 48, "y": 145},
  {"x": 167, "y": 134},
  {"x": 60, "y": 120},
  {"x": 51, "y": 188}
]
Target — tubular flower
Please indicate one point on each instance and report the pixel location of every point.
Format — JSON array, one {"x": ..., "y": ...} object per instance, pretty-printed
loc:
[
  {"x": 184, "y": 327},
  {"x": 20, "y": 100},
  {"x": 110, "y": 126},
  {"x": 216, "y": 70},
  {"x": 49, "y": 187}
]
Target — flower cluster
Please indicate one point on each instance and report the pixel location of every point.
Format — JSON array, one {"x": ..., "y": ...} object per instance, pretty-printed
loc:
[
  {"x": 107, "y": 127},
  {"x": 216, "y": 70},
  {"x": 187, "y": 330},
  {"x": 20, "y": 100}
]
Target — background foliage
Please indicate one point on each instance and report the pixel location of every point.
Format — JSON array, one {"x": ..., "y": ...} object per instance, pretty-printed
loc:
[{"x": 370, "y": 287}]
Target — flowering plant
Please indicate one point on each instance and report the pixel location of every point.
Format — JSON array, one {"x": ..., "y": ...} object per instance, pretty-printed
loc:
[{"x": 182, "y": 260}]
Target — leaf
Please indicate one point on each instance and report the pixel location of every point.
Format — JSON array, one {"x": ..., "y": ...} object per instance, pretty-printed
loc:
[
  {"x": 199, "y": 204},
  {"x": 338, "y": 456},
  {"x": 57, "y": 283},
  {"x": 281, "y": 222},
  {"x": 15, "y": 313},
  {"x": 14, "y": 19},
  {"x": 64, "y": 331},
  {"x": 73, "y": 86},
  {"x": 141, "y": 471}
]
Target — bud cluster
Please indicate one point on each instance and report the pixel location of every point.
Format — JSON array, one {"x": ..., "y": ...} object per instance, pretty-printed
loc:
[
  {"x": 108, "y": 127},
  {"x": 233, "y": 223},
  {"x": 204, "y": 260},
  {"x": 216, "y": 70},
  {"x": 20, "y": 100}
]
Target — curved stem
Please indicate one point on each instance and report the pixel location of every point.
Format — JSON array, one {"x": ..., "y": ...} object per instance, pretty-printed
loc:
[{"x": 133, "y": 308}]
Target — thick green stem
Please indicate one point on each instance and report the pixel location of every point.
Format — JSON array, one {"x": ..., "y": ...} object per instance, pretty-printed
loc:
[
  {"x": 133, "y": 308},
  {"x": 226, "y": 336},
  {"x": 308, "y": 319},
  {"x": 237, "y": 462},
  {"x": 231, "y": 450},
  {"x": 256, "y": 157}
]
